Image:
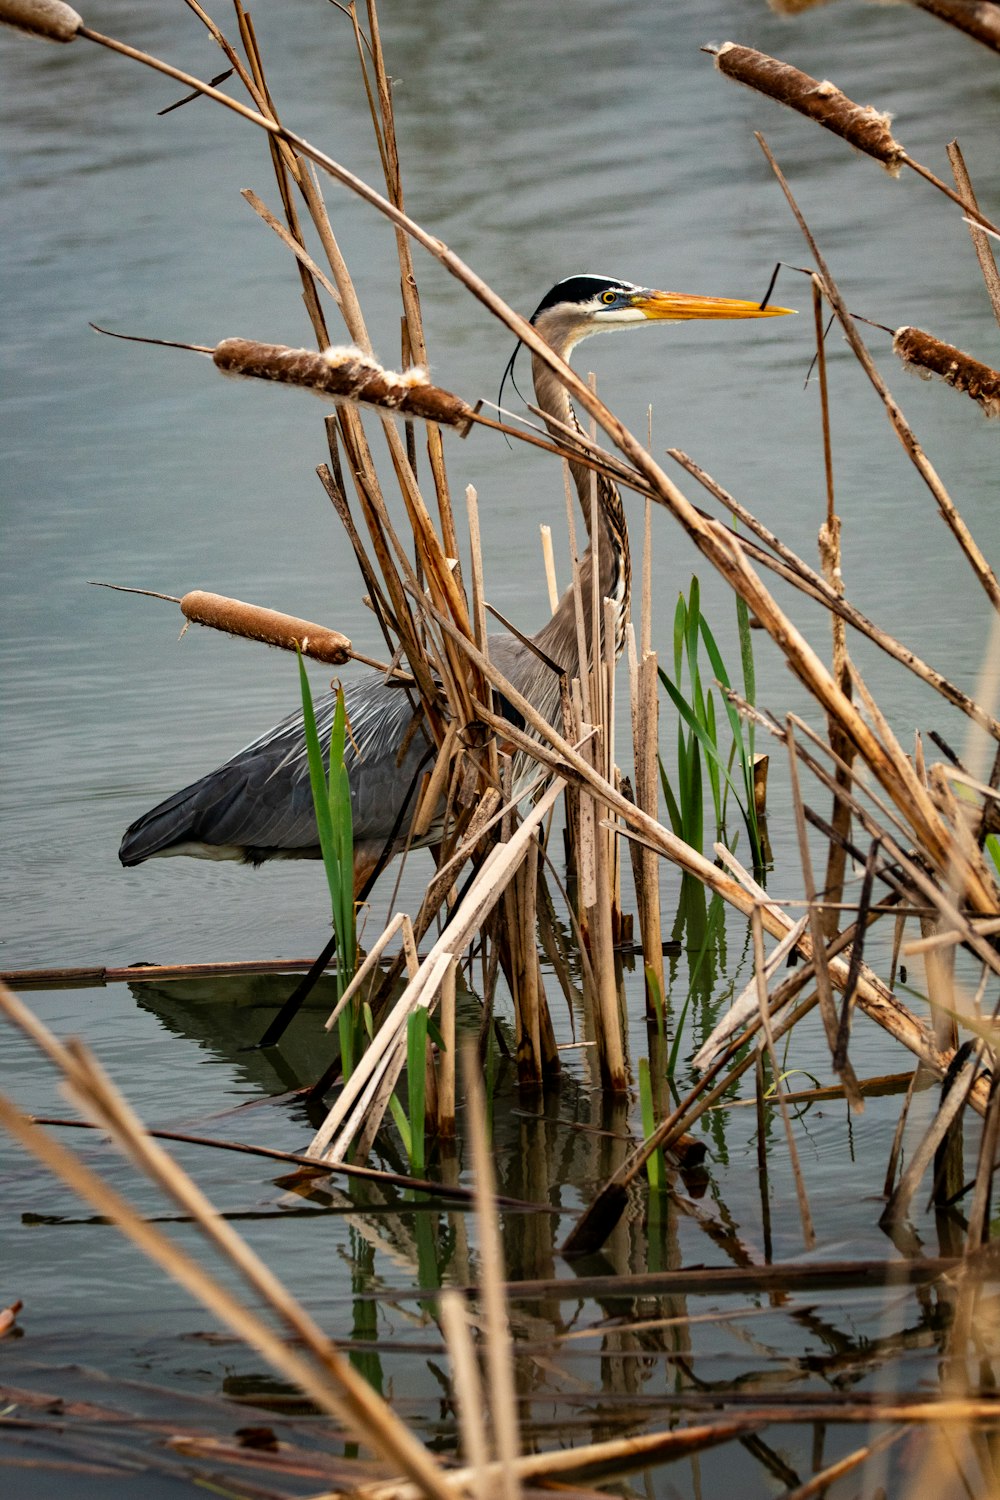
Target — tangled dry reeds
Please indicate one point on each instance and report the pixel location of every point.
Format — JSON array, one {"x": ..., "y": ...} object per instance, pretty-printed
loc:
[{"x": 924, "y": 833}]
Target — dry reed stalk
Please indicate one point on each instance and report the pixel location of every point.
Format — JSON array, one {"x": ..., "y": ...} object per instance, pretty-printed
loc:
[
  {"x": 724, "y": 554},
  {"x": 482, "y": 895},
  {"x": 299, "y": 251},
  {"x": 408, "y": 281},
  {"x": 980, "y": 241},
  {"x": 270, "y": 626},
  {"x": 530, "y": 1007},
  {"x": 821, "y": 929},
  {"x": 747, "y": 1003},
  {"x": 830, "y": 557},
  {"x": 447, "y": 1191},
  {"x": 548, "y": 557},
  {"x": 446, "y": 1075},
  {"x": 860, "y": 125},
  {"x": 808, "y": 1232},
  {"x": 478, "y": 612},
  {"x": 795, "y": 571},
  {"x": 976, "y": 18},
  {"x": 981, "y": 568},
  {"x": 322, "y": 1372},
  {"x": 978, "y": 1230},
  {"x": 552, "y": 750},
  {"x": 467, "y": 1390},
  {"x": 932, "y": 356},
  {"x": 645, "y": 698},
  {"x": 591, "y": 1464},
  {"x": 819, "y": 1484},
  {"x": 496, "y": 1325},
  {"x": 434, "y": 787},
  {"x": 952, "y": 1103}
]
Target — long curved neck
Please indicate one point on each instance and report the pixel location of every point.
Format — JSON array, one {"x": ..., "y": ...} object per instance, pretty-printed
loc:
[{"x": 608, "y": 550}]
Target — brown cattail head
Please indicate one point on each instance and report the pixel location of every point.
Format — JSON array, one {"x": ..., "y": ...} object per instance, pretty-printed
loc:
[
  {"x": 48, "y": 19},
  {"x": 930, "y": 356},
  {"x": 267, "y": 625},
  {"x": 976, "y": 18},
  {"x": 858, "y": 124},
  {"x": 344, "y": 374}
]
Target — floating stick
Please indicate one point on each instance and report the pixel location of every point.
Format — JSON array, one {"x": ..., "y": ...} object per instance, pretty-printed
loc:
[{"x": 932, "y": 356}]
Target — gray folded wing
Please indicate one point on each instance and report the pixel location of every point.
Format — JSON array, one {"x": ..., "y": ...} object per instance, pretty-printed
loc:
[{"x": 259, "y": 805}]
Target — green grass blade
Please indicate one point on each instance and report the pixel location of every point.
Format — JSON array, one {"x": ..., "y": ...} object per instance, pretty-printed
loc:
[{"x": 655, "y": 1165}]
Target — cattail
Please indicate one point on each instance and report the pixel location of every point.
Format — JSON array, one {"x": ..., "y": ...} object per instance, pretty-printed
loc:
[
  {"x": 345, "y": 374},
  {"x": 976, "y": 18},
  {"x": 930, "y": 356},
  {"x": 267, "y": 625},
  {"x": 858, "y": 124},
  {"x": 48, "y": 19}
]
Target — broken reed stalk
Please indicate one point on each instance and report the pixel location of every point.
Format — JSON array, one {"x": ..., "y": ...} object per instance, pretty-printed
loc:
[
  {"x": 932, "y": 356},
  {"x": 318, "y": 1369},
  {"x": 860, "y": 125}
]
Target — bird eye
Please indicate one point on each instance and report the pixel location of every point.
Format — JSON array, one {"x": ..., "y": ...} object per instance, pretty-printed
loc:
[{"x": 609, "y": 297}]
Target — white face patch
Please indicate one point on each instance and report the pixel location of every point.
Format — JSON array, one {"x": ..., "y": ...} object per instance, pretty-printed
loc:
[{"x": 609, "y": 316}]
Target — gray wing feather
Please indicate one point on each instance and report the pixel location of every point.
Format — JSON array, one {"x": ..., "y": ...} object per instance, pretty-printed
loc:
[{"x": 259, "y": 804}]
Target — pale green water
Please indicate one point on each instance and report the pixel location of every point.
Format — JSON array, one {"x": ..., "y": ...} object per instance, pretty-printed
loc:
[{"x": 537, "y": 142}]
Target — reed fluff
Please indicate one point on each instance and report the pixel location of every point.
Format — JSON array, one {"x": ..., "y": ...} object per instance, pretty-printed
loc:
[{"x": 897, "y": 855}]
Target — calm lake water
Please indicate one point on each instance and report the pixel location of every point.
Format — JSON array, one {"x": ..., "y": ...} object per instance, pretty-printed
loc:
[{"x": 537, "y": 141}]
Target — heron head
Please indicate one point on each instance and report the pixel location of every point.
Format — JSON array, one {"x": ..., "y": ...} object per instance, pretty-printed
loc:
[
  {"x": 585, "y": 304},
  {"x": 582, "y": 305}
]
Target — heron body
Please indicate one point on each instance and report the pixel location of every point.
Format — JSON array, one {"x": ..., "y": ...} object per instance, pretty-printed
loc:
[{"x": 258, "y": 805}]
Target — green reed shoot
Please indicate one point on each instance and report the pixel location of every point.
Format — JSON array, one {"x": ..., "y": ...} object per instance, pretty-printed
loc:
[
  {"x": 331, "y": 794},
  {"x": 698, "y": 741},
  {"x": 655, "y": 1166},
  {"x": 412, "y": 1128}
]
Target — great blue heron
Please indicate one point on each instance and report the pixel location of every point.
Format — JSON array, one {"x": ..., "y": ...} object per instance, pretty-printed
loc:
[{"x": 258, "y": 805}]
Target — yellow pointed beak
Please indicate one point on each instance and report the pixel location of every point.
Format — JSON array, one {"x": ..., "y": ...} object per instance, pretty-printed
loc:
[{"x": 680, "y": 307}]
